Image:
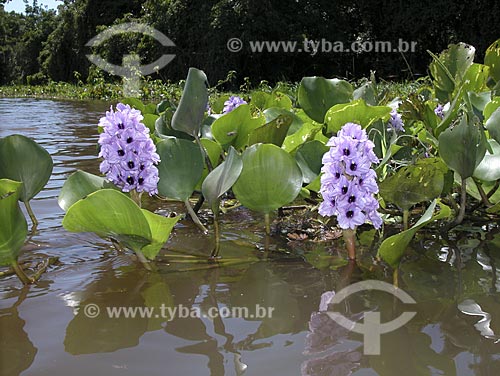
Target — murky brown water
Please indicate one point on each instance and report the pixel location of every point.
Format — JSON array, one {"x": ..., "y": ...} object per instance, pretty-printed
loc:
[{"x": 45, "y": 329}]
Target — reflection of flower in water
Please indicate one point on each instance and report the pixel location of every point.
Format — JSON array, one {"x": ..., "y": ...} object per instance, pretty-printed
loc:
[{"x": 324, "y": 334}]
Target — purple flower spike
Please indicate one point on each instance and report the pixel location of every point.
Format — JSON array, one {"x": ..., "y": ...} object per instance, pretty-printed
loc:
[
  {"x": 348, "y": 182},
  {"x": 232, "y": 103},
  {"x": 439, "y": 111},
  {"x": 396, "y": 122},
  {"x": 128, "y": 151}
]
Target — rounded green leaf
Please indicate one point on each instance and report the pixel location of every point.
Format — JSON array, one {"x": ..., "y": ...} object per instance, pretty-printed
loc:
[
  {"x": 270, "y": 178},
  {"x": 234, "y": 127},
  {"x": 412, "y": 184},
  {"x": 160, "y": 227},
  {"x": 273, "y": 112},
  {"x": 22, "y": 159},
  {"x": 355, "y": 112},
  {"x": 273, "y": 132},
  {"x": 317, "y": 95},
  {"x": 492, "y": 59},
  {"x": 493, "y": 125},
  {"x": 110, "y": 214},
  {"x": 79, "y": 185},
  {"x": 13, "y": 228},
  {"x": 180, "y": 168},
  {"x": 463, "y": 147},
  {"x": 489, "y": 168},
  {"x": 309, "y": 157},
  {"x": 222, "y": 178},
  {"x": 189, "y": 115}
]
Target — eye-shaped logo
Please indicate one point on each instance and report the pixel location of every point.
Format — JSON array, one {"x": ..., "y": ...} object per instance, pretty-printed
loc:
[
  {"x": 371, "y": 328},
  {"x": 130, "y": 69}
]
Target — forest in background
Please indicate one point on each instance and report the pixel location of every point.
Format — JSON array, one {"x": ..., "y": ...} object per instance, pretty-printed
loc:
[{"x": 44, "y": 45}]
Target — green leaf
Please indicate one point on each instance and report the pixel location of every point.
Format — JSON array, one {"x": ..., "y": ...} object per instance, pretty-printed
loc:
[
  {"x": 489, "y": 168},
  {"x": 416, "y": 183},
  {"x": 273, "y": 112},
  {"x": 14, "y": 228},
  {"x": 462, "y": 147},
  {"x": 213, "y": 149},
  {"x": 22, "y": 159},
  {"x": 78, "y": 185},
  {"x": 307, "y": 132},
  {"x": 393, "y": 248},
  {"x": 273, "y": 132},
  {"x": 448, "y": 70},
  {"x": 317, "y": 95},
  {"x": 492, "y": 59},
  {"x": 163, "y": 126},
  {"x": 110, "y": 214},
  {"x": 222, "y": 178},
  {"x": 150, "y": 121},
  {"x": 355, "y": 112},
  {"x": 270, "y": 178},
  {"x": 189, "y": 115},
  {"x": 476, "y": 77},
  {"x": 160, "y": 227},
  {"x": 263, "y": 100},
  {"x": 180, "y": 168},
  {"x": 367, "y": 93},
  {"x": 493, "y": 125},
  {"x": 234, "y": 127},
  {"x": 309, "y": 157},
  {"x": 491, "y": 107}
]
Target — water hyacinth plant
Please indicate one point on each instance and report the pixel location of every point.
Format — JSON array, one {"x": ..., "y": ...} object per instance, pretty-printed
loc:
[
  {"x": 233, "y": 102},
  {"x": 348, "y": 183},
  {"x": 128, "y": 151}
]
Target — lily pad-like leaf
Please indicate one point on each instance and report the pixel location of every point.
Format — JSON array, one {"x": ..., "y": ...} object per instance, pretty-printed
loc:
[
  {"x": 493, "y": 125},
  {"x": 309, "y": 157},
  {"x": 317, "y": 94},
  {"x": 492, "y": 59},
  {"x": 393, "y": 248},
  {"x": 222, "y": 178},
  {"x": 273, "y": 132},
  {"x": 263, "y": 100},
  {"x": 449, "y": 69},
  {"x": 180, "y": 168},
  {"x": 273, "y": 112},
  {"x": 160, "y": 227},
  {"x": 79, "y": 185},
  {"x": 463, "y": 147},
  {"x": 354, "y": 112},
  {"x": 111, "y": 214},
  {"x": 234, "y": 127},
  {"x": 22, "y": 159},
  {"x": 191, "y": 110},
  {"x": 307, "y": 132},
  {"x": 270, "y": 178},
  {"x": 489, "y": 168},
  {"x": 13, "y": 228},
  {"x": 416, "y": 183}
]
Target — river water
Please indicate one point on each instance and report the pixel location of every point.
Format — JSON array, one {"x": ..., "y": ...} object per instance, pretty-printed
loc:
[{"x": 268, "y": 302}]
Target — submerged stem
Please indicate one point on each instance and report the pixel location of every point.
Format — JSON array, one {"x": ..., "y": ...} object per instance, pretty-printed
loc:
[
  {"x": 144, "y": 261},
  {"x": 34, "y": 221},
  {"x": 194, "y": 217},
  {"x": 463, "y": 201},
  {"x": 21, "y": 274},
  {"x": 215, "y": 252},
  {"x": 350, "y": 242}
]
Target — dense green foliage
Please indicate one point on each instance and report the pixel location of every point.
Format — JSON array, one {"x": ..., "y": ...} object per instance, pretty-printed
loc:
[{"x": 42, "y": 45}]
